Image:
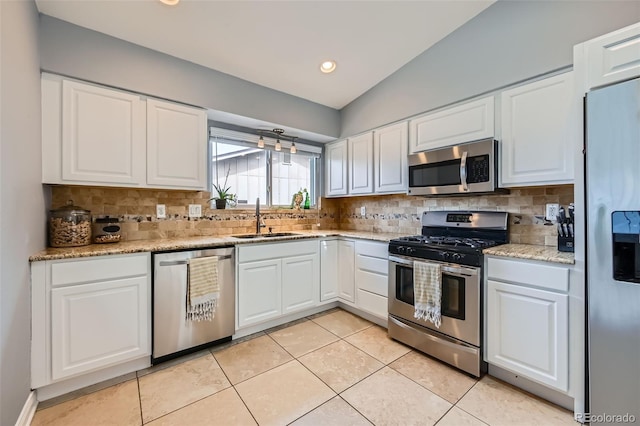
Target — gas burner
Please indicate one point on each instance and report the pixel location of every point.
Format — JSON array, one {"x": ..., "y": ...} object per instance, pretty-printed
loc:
[{"x": 475, "y": 243}]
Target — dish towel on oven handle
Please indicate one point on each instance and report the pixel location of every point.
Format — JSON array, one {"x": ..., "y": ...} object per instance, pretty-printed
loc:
[
  {"x": 427, "y": 293},
  {"x": 203, "y": 289}
]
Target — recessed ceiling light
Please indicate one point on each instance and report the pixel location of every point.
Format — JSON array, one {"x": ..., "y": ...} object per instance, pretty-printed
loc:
[
  {"x": 170, "y": 2},
  {"x": 328, "y": 66}
]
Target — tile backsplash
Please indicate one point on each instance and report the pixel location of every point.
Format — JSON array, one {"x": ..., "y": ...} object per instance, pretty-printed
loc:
[
  {"x": 401, "y": 213},
  {"x": 136, "y": 209}
]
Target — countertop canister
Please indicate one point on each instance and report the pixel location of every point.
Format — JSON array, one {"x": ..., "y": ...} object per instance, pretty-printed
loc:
[{"x": 69, "y": 226}]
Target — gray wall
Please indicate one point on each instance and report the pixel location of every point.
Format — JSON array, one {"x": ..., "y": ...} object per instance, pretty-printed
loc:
[
  {"x": 22, "y": 201},
  {"x": 509, "y": 42},
  {"x": 78, "y": 52}
]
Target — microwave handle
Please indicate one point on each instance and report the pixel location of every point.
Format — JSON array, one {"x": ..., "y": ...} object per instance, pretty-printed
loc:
[{"x": 463, "y": 171}]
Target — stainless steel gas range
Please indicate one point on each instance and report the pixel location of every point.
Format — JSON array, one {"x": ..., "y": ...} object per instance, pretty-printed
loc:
[{"x": 455, "y": 240}]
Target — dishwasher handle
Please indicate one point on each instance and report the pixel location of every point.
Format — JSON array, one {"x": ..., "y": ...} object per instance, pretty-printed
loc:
[{"x": 186, "y": 262}]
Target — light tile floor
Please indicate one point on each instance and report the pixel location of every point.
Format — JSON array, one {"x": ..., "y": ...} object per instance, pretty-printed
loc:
[{"x": 328, "y": 369}]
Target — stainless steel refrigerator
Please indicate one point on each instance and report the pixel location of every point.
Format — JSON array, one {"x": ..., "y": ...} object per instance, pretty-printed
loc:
[{"x": 613, "y": 251}]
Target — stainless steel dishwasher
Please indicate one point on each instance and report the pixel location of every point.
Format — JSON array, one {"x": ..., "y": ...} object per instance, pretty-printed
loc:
[{"x": 173, "y": 335}]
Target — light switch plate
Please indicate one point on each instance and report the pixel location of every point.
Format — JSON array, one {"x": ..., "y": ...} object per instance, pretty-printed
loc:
[
  {"x": 161, "y": 211},
  {"x": 195, "y": 210},
  {"x": 363, "y": 211},
  {"x": 552, "y": 211}
]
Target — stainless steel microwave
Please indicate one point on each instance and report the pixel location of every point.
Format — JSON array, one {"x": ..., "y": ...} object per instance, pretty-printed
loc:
[{"x": 460, "y": 169}]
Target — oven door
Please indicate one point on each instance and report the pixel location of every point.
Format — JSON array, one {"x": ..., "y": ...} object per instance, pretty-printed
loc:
[{"x": 460, "y": 304}]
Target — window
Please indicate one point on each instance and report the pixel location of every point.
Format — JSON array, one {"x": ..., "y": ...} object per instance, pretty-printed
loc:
[{"x": 251, "y": 172}]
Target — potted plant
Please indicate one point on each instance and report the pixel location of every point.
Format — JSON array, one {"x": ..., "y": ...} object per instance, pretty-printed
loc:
[{"x": 222, "y": 195}]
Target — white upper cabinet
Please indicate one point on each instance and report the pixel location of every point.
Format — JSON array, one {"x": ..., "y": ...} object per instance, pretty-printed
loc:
[
  {"x": 176, "y": 145},
  {"x": 613, "y": 57},
  {"x": 462, "y": 123},
  {"x": 539, "y": 127},
  {"x": 102, "y": 134},
  {"x": 336, "y": 168},
  {"x": 94, "y": 135},
  {"x": 361, "y": 164},
  {"x": 390, "y": 146}
]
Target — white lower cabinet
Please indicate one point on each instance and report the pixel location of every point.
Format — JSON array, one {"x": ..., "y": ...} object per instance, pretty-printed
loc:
[
  {"x": 527, "y": 326},
  {"x": 260, "y": 284},
  {"x": 96, "y": 325},
  {"x": 300, "y": 280},
  {"x": 89, "y": 314},
  {"x": 328, "y": 270},
  {"x": 346, "y": 270},
  {"x": 276, "y": 279}
]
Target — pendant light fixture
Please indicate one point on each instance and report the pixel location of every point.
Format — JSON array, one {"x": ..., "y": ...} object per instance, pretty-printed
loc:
[{"x": 279, "y": 134}]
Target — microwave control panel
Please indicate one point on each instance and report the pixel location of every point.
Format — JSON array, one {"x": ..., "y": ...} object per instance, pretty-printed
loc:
[{"x": 478, "y": 169}]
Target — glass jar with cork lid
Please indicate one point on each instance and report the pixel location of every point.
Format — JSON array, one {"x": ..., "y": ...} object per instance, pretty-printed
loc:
[{"x": 69, "y": 226}]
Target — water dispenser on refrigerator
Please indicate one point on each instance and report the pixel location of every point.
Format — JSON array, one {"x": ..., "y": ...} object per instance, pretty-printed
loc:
[{"x": 626, "y": 245}]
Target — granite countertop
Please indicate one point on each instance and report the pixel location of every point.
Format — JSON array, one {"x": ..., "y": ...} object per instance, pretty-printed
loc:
[
  {"x": 531, "y": 252},
  {"x": 125, "y": 247}
]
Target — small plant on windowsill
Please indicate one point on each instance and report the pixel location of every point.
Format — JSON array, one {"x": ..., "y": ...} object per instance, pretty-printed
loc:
[{"x": 222, "y": 195}]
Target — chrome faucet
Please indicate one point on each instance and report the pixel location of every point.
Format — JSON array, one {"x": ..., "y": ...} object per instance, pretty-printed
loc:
[{"x": 259, "y": 220}]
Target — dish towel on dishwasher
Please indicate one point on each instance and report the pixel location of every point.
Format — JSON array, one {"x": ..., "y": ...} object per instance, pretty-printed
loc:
[
  {"x": 203, "y": 289},
  {"x": 427, "y": 291}
]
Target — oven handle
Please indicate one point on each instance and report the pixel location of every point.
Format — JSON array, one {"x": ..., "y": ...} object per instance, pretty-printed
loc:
[
  {"x": 441, "y": 339},
  {"x": 463, "y": 171},
  {"x": 462, "y": 270}
]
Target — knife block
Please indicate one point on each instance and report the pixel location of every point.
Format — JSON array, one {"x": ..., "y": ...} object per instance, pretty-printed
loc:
[{"x": 565, "y": 244}]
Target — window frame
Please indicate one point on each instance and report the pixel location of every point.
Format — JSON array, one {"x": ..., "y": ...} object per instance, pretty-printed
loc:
[{"x": 314, "y": 154}]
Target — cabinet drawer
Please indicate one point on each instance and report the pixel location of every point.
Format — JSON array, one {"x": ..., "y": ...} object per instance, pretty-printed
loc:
[
  {"x": 528, "y": 273},
  {"x": 370, "y": 281},
  {"x": 373, "y": 303},
  {"x": 373, "y": 264},
  {"x": 98, "y": 269},
  {"x": 373, "y": 249},
  {"x": 263, "y": 251}
]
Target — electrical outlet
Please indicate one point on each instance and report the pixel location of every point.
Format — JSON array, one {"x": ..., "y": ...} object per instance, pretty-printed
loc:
[
  {"x": 552, "y": 211},
  {"x": 195, "y": 210},
  {"x": 161, "y": 211},
  {"x": 363, "y": 211}
]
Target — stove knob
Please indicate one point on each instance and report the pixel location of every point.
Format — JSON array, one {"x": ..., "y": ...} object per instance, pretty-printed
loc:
[
  {"x": 456, "y": 256},
  {"x": 401, "y": 249},
  {"x": 445, "y": 255},
  {"x": 410, "y": 250}
]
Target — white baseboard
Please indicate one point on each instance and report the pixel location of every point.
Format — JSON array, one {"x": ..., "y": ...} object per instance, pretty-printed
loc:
[{"x": 28, "y": 410}]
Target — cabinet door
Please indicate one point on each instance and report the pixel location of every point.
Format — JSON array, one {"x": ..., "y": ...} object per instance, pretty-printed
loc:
[
  {"x": 336, "y": 168},
  {"x": 259, "y": 291},
  {"x": 463, "y": 123},
  {"x": 97, "y": 325},
  {"x": 103, "y": 135},
  {"x": 528, "y": 332},
  {"x": 361, "y": 164},
  {"x": 176, "y": 145},
  {"x": 328, "y": 270},
  {"x": 614, "y": 57},
  {"x": 300, "y": 282},
  {"x": 539, "y": 128},
  {"x": 346, "y": 270},
  {"x": 390, "y": 156}
]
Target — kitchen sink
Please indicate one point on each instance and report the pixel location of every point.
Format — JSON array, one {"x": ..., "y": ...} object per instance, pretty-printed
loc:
[{"x": 266, "y": 235}]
